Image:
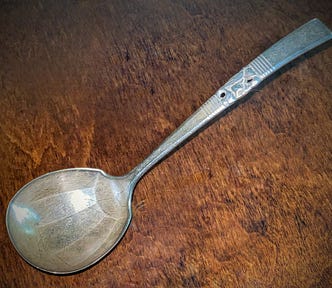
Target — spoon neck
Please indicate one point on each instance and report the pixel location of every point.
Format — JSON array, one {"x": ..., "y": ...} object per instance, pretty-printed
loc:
[
  {"x": 139, "y": 171},
  {"x": 177, "y": 139}
]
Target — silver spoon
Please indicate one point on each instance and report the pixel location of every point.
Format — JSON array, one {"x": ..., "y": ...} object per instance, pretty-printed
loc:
[{"x": 67, "y": 220}]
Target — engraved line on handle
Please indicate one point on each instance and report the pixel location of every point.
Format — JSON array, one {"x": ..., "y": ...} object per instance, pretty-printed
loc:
[{"x": 262, "y": 66}]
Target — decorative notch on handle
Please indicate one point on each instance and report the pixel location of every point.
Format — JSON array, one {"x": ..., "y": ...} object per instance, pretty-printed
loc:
[
  {"x": 250, "y": 76},
  {"x": 241, "y": 83}
]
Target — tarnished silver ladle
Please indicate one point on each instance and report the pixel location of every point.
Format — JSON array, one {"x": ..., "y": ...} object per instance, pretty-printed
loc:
[{"x": 67, "y": 220}]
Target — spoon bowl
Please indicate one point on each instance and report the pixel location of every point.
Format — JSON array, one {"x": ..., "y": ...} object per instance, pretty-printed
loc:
[{"x": 66, "y": 220}]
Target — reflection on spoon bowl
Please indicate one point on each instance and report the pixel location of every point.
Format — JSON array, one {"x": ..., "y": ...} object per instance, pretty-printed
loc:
[{"x": 66, "y": 220}]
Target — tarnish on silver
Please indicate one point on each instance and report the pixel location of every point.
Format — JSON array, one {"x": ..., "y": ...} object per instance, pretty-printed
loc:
[{"x": 65, "y": 221}]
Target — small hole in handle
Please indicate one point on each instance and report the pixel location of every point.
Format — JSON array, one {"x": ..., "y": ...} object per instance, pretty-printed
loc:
[
  {"x": 249, "y": 80},
  {"x": 222, "y": 95}
]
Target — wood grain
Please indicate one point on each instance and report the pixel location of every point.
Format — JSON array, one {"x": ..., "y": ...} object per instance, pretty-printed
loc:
[{"x": 247, "y": 203}]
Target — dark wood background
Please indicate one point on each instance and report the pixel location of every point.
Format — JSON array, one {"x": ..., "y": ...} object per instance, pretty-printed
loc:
[{"x": 247, "y": 203}]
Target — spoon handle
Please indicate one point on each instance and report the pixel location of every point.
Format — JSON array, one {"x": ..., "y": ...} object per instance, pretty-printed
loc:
[{"x": 300, "y": 41}]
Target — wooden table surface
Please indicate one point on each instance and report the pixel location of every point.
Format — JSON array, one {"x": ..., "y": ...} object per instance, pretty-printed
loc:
[{"x": 247, "y": 203}]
